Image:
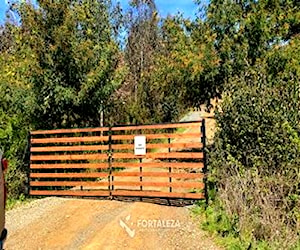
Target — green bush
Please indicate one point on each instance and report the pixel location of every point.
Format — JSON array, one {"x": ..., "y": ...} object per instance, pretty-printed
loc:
[
  {"x": 255, "y": 159},
  {"x": 14, "y": 129}
]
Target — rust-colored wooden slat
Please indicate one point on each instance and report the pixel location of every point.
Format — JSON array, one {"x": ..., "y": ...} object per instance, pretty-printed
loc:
[
  {"x": 159, "y": 184},
  {"x": 69, "y": 148},
  {"x": 178, "y": 155},
  {"x": 70, "y": 166},
  {"x": 158, "y": 126},
  {"x": 68, "y": 175},
  {"x": 69, "y": 139},
  {"x": 157, "y": 194},
  {"x": 67, "y": 183},
  {"x": 158, "y": 164},
  {"x": 158, "y": 136},
  {"x": 160, "y": 145},
  {"x": 67, "y": 131},
  {"x": 69, "y": 193},
  {"x": 118, "y": 164},
  {"x": 159, "y": 174},
  {"x": 122, "y": 146},
  {"x": 68, "y": 157},
  {"x": 175, "y": 145}
]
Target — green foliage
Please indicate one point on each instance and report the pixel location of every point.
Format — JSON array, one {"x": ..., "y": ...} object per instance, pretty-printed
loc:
[
  {"x": 255, "y": 159},
  {"x": 21, "y": 200},
  {"x": 16, "y": 105},
  {"x": 181, "y": 64},
  {"x": 247, "y": 30},
  {"x": 63, "y": 65},
  {"x": 76, "y": 60},
  {"x": 167, "y": 60},
  {"x": 58, "y": 69},
  {"x": 225, "y": 230}
]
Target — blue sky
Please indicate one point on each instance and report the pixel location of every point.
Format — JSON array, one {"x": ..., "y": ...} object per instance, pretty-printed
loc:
[
  {"x": 3, "y": 7},
  {"x": 165, "y": 7}
]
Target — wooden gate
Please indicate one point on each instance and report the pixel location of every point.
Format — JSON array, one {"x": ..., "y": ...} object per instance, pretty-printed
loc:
[{"x": 101, "y": 161}]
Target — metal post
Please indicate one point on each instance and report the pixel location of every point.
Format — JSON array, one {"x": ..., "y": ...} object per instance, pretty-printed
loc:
[
  {"x": 27, "y": 162},
  {"x": 110, "y": 177},
  {"x": 141, "y": 173},
  {"x": 203, "y": 139},
  {"x": 170, "y": 169}
]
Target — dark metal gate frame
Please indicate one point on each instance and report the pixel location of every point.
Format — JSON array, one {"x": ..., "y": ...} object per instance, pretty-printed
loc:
[{"x": 110, "y": 157}]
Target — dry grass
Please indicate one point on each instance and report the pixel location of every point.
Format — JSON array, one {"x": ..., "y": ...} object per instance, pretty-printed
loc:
[{"x": 268, "y": 207}]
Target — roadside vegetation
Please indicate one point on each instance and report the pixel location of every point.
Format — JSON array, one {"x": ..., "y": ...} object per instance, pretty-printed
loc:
[
  {"x": 254, "y": 161},
  {"x": 67, "y": 64}
]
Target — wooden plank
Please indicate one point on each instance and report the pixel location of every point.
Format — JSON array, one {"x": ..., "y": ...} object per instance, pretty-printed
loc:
[
  {"x": 85, "y": 130},
  {"x": 159, "y": 184},
  {"x": 70, "y": 148},
  {"x": 158, "y": 136},
  {"x": 158, "y": 164},
  {"x": 70, "y": 139},
  {"x": 175, "y": 155},
  {"x": 160, "y": 145},
  {"x": 159, "y": 126},
  {"x": 68, "y": 131},
  {"x": 159, "y": 174},
  {"x": 68, "y": 175},
  {"x": 157, "y": 194},
  {"x": 69, "y": 193},
  {"x": 68, "y": 157},
  {"x": 67, "y": 183},
  {"x": 70, "y": 166}
]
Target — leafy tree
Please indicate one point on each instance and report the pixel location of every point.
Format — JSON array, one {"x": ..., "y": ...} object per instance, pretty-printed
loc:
[
  {"x": 246, "y": 30},
  {"x": 58, "y": 67},
  {"x": 255, "y": 158},
  {"x": 16, "y": 106},
  {"x": 77, "y": 60},
  {"x": 142, "y": 39}
]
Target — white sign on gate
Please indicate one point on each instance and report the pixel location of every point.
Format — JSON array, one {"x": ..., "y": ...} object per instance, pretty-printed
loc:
[{"x": 140, "y": 145}]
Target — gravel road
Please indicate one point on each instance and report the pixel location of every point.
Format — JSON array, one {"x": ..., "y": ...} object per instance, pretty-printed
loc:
[{"x": 60, "y": 223}]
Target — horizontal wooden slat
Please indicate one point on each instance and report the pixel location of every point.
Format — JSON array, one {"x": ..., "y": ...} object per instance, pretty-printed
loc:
[
  {"x": 158, "y": 194},
  {"x": 159, "y": 145},
  {"x": 170, "y": 155},
  {"x": 115, "y": 147},
  {"x": 69, "y": 193},
  {"x": 70, "y": 148},
  {"x": 158, "y": 164},
  {"x": 68, "y": 175},
  {"x": 68, "y": 131},
  {"x": 159, "y": 174},
  {"x": 159, "y": 184},
  {"x": 159, "y": 126},
  {"x": 67, "y": 183},
  {"x": 70, "y": 139},
  {"x": 68, "y": 157},
  {"x": 158, "y": 136},
  {"x": 85, "y": 130},
  {"x": 114, "y": 137},
  {"x": 70, "y": 166},
  {"x": 191, "y": 165}
]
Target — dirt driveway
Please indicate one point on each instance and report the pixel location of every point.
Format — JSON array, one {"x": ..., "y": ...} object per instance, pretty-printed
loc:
[{"x": 59, "y": 223}]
